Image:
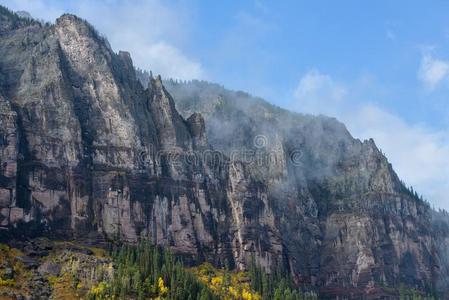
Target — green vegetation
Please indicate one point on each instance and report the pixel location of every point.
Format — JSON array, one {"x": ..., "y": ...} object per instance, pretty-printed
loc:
[
  {"x": 16, "y": 20},
  {"x": 19, "y": 276},
  {"x": 148, "y": 272},
  {"x": 411, "y": 294},
  {"x": 413, "y": 194},
  {"x": 140, "y": 271},
  {"x": 145, "y": 271},
  {"x": 277, "y": 286}
]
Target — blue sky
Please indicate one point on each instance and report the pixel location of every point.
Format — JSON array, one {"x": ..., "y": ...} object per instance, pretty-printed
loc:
[{"x": 381, "y": 67}]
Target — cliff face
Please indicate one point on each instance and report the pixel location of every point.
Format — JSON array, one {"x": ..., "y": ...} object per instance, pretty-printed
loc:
[
  {"x": 88, "y": 152},
  {"x": 346, "y": 221}
]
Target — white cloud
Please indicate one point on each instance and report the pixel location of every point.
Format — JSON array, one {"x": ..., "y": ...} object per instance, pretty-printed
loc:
[
  {"x": 151, "y": 30},
  {"x": 433, "y": 71},
  {"x": 319, "y": 93},
  {"x": 419, "y": 154},
  {"x": 163, "y": 56}
]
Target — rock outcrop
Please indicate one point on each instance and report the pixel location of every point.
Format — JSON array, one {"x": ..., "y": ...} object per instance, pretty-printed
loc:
[{"x": 88, "y": 152}]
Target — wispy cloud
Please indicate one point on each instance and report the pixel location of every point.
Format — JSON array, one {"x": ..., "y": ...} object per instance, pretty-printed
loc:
[
  {"x": 37, "y": 8},
  {"x": 319, "y": 93},
  {"x": 390, "y": 35},
  {"x": 169, "y": 60},
  {"x": 419, "y": 154},
  {"x": 390, "y": 30},
  {"x": 433, "y": 71},
  {"x": 151, "y": 30}
]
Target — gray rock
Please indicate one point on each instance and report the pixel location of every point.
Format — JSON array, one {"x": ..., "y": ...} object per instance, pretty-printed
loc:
[
  {"x": 27, "y": 261},
  {"x": 80, "y": 250},
  {"x": 8, "y": 273},
  {"x": 49, "y": 268}
]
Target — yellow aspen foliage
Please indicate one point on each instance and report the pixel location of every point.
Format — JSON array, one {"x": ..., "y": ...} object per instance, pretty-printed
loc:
[
  {"x": 217, "y": 281},
  {"x": 99, "y": 291},
  {"x": 233, "y": 292},
  {"x": 163, "y": 290},
  {"x": 225, "y": 284},
  {"x": 7, "y": 282},
  {"x": 247, "y": 295}
]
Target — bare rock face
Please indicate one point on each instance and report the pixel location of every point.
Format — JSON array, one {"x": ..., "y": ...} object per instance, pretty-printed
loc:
[
  {"x": 335, "y": 210},
  {"x": 198, "y": 129},
  {"x": 87, "y": 152},
  {"x": 8, "y": 163}
]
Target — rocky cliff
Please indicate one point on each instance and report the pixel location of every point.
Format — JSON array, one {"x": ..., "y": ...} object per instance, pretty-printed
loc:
[
  {"x": 347, "y": 223},
  {"x": 89, "y": 152}
]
